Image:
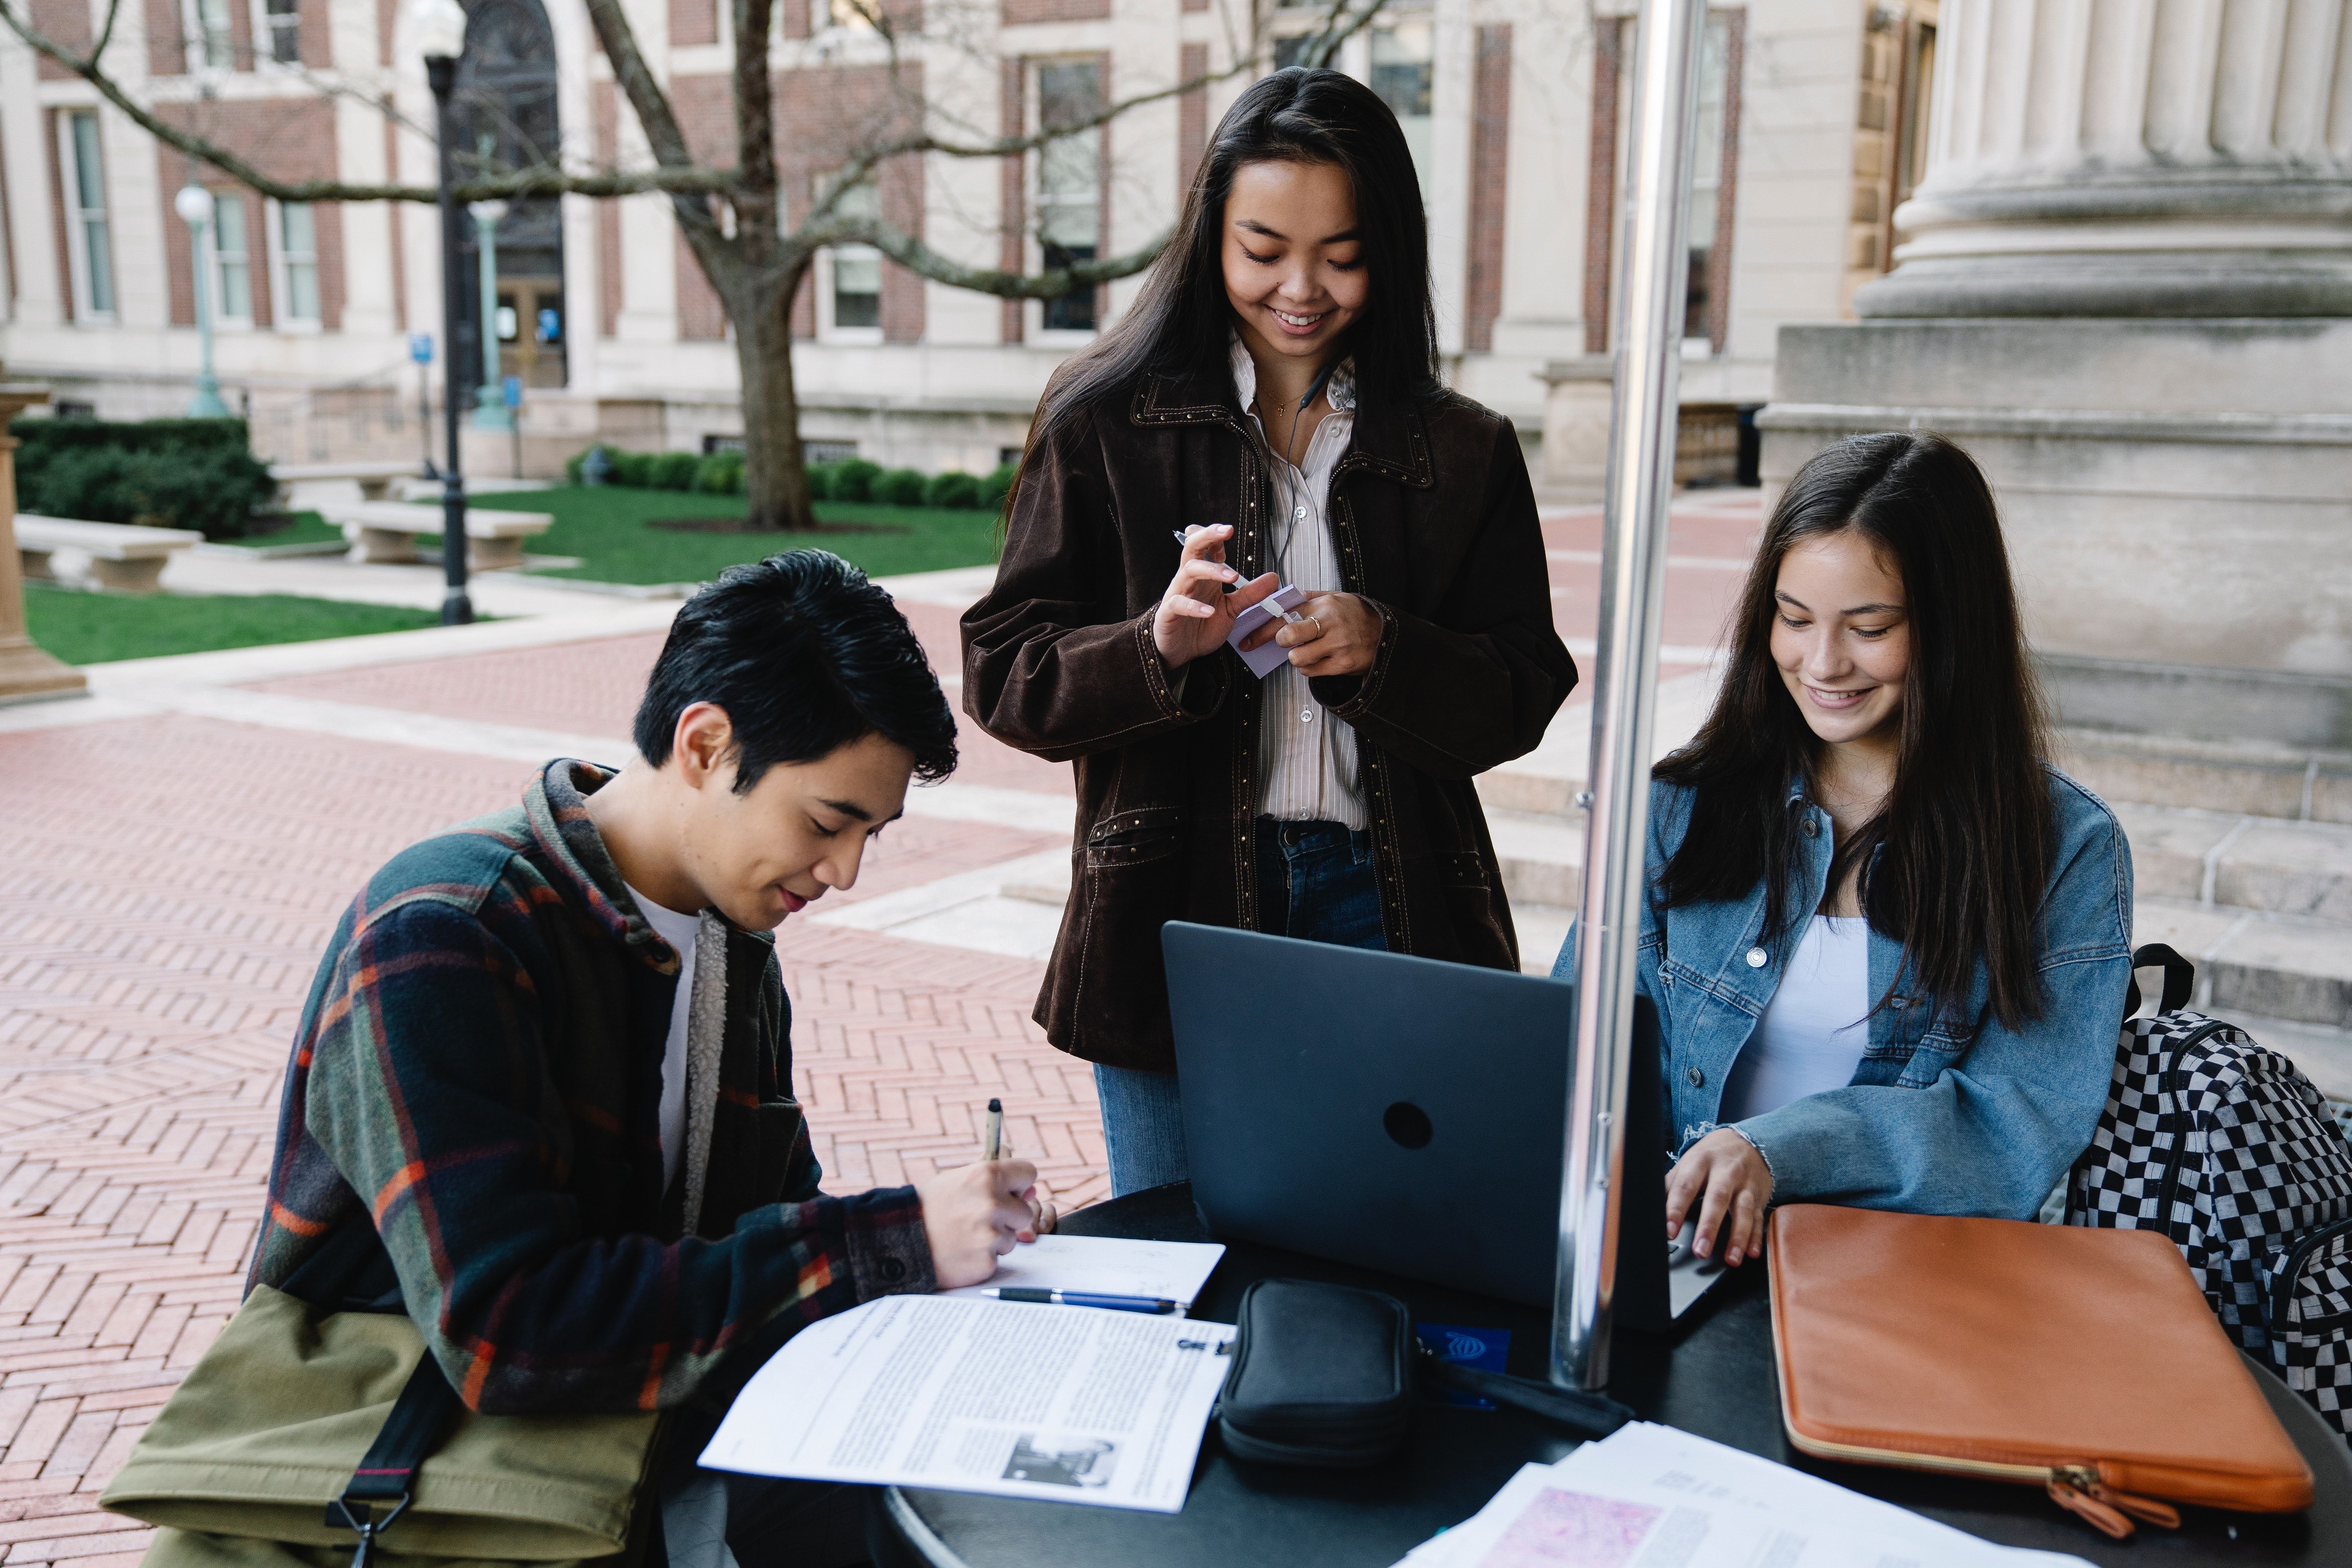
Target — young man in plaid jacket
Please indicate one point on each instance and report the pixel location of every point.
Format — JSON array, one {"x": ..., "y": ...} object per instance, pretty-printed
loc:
[{"x": 547, "y": 1056}]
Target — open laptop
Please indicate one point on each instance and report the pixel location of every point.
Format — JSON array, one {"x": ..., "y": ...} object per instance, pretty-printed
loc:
[{"x": 1407, "y": 1115}]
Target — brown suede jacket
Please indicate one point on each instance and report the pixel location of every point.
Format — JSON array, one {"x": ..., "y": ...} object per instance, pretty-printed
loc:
[{"x": 1434, "y": 522}]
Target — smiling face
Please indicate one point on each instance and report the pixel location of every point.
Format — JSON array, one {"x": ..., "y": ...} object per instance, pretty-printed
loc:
[
  {"x": 797, "y": 834},
  {"x": 1842, "y": 636},
  {"x": 1295, "y": 271}
]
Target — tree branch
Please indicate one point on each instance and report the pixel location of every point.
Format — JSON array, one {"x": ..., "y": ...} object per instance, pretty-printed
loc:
[
  {"x": 659, "y": 121},
  {"x": 106, "y": 34},
  {"x": 1325, "y": 41},
  {"x": 922, "y": 259}
]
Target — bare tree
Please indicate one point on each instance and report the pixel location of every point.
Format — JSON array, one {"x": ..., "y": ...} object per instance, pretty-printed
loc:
[{"x": 753, "y": 251}]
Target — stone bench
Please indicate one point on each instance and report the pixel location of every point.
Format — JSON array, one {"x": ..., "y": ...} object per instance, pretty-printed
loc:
[
  {"x": 384, "y": 533},
  {"x": 123, "y": 556},
  {"x": 374, "y": 478}
]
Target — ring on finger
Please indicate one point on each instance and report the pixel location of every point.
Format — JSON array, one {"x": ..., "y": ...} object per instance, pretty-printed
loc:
[{"x": 1318, "y": 624}]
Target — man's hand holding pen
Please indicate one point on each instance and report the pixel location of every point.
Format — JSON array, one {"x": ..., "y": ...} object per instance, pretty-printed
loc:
[{"x": 975, "y": 1213}]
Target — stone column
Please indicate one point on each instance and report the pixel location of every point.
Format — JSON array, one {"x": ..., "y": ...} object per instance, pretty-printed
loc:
[
  {"x": 2132, "y": 158},
  {"x": 26, "y": 670},
  {"x": 2124, "y": 285}
]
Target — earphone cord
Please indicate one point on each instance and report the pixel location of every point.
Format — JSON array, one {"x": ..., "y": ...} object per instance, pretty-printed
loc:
[{"x": 1298, "y": 480}]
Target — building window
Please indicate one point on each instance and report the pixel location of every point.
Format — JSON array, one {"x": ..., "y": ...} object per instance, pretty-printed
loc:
[
  {"x": 297, "y": 264},
  {"x": 849, "y": 276},
  {"x": 1070, "y": 185},
  {"x": 211, "y": 46},
  {"x": 1706, "y": 168},
  {"x": 1714, "y": 163},
  {"x": 852, "y": 15},
  {"x": 1404, "y": 60},
  {"x": 232, "y": 261},
  {"x": 857, "y": 286},
  {"x": 92, "y": 245},
  {"x": 284, "y": 22}
]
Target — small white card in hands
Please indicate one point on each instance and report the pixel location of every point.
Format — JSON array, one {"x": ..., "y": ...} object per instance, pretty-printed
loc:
[{"x": 1281, "y": 605}]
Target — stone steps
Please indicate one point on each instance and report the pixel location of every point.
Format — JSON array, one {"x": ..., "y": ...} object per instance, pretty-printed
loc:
[
  {"x": 2186, "y": 854},
  {"x": 2251, "y": 961},
  {"x": 2237, "y": 778}
]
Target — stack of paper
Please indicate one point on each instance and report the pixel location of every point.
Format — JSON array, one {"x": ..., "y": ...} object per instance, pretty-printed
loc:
[
  {"x": 1651, "y": 1497},
  {"x": 1062, "y": 1404},
  {"x": 1106, "y": 1266}
]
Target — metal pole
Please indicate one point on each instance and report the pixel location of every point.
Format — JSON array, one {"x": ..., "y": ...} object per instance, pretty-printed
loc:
[
  {"x": 489, "y": 406},
  {"x": 207, "y": 403},
  {"x": 456, "y": 608},
  {"x": 1649, "y": 337}
]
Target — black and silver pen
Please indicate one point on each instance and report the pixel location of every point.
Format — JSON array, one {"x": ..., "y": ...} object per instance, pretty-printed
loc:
[{"x": 1083, "y": 1299}]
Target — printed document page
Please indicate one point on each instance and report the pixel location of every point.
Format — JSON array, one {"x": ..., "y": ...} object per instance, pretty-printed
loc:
[
  {"x": 1062, "y": 1404},
  {"x": 1650, "y": 1497},
  {"x": 1106, "y": 1266}
]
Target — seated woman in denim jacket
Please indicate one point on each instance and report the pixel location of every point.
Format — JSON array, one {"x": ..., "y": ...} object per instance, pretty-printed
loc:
[{"x": 1888, "y": 942}]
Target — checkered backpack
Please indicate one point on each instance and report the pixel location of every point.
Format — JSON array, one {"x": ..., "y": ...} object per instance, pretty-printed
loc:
[{"x": 2231, "y": 1152}]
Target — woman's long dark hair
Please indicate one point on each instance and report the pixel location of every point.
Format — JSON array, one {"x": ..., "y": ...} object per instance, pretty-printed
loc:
[
  {"x": 1179, "y": 323},
  {"x": 1966, "y": 830}
]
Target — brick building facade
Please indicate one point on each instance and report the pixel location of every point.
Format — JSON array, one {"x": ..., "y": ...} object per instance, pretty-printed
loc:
[{"x": 1513, "y": 109}]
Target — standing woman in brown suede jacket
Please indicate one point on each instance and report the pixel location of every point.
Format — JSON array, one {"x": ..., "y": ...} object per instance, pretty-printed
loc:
[{"x": 1273, "y": 398}]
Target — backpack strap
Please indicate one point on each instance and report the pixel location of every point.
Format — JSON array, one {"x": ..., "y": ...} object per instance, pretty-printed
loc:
[
  {"x": 351, "y": 1272},
  {"x": 387, "y": 1472},
  {"x": 2179, "y": 978}
]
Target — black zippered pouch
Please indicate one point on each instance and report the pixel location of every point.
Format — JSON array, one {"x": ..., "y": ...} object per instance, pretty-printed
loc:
[{"x": 1323, "y": 1375}]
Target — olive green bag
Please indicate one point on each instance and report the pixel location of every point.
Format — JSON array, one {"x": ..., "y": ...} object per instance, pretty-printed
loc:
[{"x": 298, "y": 1426}]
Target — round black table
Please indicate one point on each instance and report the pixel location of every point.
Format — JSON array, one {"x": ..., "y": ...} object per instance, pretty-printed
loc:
[{"x": 1713, "y": 1376}]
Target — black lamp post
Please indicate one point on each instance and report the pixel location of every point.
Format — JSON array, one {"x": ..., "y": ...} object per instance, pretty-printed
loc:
[{"x": 441, "y": 37}]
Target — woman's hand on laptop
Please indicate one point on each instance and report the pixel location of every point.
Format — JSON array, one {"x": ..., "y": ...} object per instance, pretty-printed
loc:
[
  {"x": 1728, "y": 1182},
  {"x": 975, "y": 1213}
]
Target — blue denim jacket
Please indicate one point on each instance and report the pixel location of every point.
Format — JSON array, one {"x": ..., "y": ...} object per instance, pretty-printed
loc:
[{"x": 1948, "y": 1112}]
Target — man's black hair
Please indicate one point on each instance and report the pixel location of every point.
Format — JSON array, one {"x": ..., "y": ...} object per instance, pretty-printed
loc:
[{"x": 806, "y": 657}]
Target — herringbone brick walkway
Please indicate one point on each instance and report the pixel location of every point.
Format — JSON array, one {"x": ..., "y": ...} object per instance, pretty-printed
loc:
[{"x": 166, "y": 885}]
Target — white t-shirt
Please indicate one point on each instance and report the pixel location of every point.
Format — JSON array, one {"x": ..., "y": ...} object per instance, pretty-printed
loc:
[
  {"x": 679, "y": 930},
  {"x": 1815, "y": 1028}
]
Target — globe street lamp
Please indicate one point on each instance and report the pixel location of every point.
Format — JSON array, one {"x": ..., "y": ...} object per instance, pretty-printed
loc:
[
  {"x": 438, "y": 27},
  {"x": 195, "y": 205},
  {"x": 489, "y": 405}
]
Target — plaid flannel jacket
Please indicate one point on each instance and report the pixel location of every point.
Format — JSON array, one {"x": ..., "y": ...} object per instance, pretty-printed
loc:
[{"x": 479, "y": 1073}]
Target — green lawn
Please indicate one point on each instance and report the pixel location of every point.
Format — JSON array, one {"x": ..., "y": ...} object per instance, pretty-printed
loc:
[
  {"x": 91, "y": 628},
  {"x": 607, "y": 529},
  {"x": 309, "y": 528}
]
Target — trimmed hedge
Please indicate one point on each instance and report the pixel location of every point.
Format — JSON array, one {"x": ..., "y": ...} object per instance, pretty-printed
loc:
[
  {"x": 175, "y": 473},
  {"x": 953, "y": 489},
  {"x": 997, "y": 486},
  {"x": 855, "y": 479},
  {"x": 721, "y": 474}
]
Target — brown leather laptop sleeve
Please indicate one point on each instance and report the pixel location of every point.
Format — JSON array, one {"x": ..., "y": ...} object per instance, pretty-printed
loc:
[{"x": 2030, "y": 1353}]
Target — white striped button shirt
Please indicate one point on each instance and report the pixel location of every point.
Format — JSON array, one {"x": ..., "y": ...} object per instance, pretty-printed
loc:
[{"x": 1307, "y": 765}]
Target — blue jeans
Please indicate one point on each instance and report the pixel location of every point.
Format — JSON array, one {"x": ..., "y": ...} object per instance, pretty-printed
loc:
[{"x": 1315, "y": 881}]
